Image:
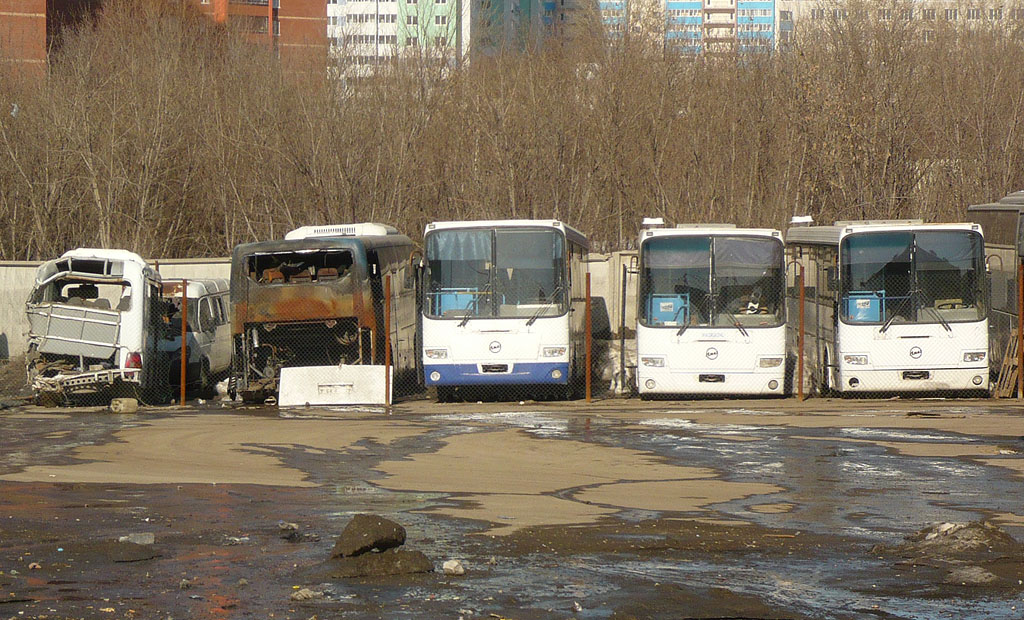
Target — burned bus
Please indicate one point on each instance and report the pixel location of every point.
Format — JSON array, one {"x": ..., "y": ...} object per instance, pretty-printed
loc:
[{"x": 317, "y": 300}]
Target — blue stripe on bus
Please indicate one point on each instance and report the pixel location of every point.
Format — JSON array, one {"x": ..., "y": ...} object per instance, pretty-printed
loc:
[{"x": 522, "y": 373}]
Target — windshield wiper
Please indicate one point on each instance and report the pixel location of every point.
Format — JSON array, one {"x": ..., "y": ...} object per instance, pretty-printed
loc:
[
  {"x": 467, "y": 316},
  {"x": 942, "y": 319},
  {"x": 545, "y": 303},
  {"x": 675, "y": 317},
  {"x": 742, "y": 329},
  {"x": 895, "y": 312}
]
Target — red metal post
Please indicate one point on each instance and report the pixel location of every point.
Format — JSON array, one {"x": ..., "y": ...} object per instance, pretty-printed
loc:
[
  {"x": 589, "y": 336},
  {"x": 1020, "y": 330},
  {"x": 184, "y": 339},
  {"x": 800, "y": 336},
  {"x": 270, "y": 22},
  {"x": 387, "y": 340}
]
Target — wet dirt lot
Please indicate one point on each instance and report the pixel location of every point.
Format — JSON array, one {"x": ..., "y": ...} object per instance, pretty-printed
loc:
[{"x": 617, "y": 509}]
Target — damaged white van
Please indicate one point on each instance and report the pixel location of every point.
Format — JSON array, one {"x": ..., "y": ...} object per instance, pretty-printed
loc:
[
  {"x": 95, "y": 320},
  {"x": 209, "y": 333}
]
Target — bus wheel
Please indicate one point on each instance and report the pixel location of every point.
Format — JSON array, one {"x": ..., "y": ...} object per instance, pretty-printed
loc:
[{"x": 445, "y": 394}]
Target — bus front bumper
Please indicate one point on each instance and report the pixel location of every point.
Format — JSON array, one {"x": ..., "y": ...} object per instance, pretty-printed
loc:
[
  {"x": 513, "y": 373},
  {"x": 912, "y": 380},
  {"x": 717, "y": 382}
]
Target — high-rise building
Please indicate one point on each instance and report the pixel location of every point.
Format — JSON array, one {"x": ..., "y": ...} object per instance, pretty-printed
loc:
[{"x": 696, "y": 26}]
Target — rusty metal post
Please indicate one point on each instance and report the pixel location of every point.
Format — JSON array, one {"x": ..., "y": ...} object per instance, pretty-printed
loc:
[
  {"x": 800, "y": 336},
  {"x": 590, "y": 340},
  {"x": 622, "y": 331},
  {"x": 1020, "y": 330},
  {"x": 387, "y": 340},
  {"x": 184, "y": 339}
]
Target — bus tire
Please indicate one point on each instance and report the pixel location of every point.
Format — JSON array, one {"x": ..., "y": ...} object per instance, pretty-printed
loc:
[{"x": 445, "y": 394}]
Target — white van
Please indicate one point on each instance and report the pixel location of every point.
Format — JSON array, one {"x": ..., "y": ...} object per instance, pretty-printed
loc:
[
  {"x": 209, "y": 332},
  {"x": 95, "y": 319}
]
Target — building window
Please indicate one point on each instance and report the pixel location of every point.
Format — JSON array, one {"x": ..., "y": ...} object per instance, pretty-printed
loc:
[
  {"x": 412, "y": 40},
  {"x": 927, "y": 13},
  {"x": 995, "y": 14},
  {"x": 928, "y": 35},
  {"x": 411, "y": 20},
  {"x": 973, "y": 13},
  {"x": 885, "y": 14},
  {"x": 952, "y": 15},
  {"x": 440, "y": 20},
  {"x": 906, "y": 14}
]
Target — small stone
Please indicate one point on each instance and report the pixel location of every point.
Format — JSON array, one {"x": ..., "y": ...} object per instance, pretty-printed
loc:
[
  {"x": 453, "y": 567},
  {"x": 34, "y": 566},
  {"x": 241, "y": 583},
  {"x": 184, "y": 584},
  {"x": 124, "y": 405},
  {"x": 139, "y": 538},
  {"x": 305, "y": 594},
  {"x": 289, "y": 531}
]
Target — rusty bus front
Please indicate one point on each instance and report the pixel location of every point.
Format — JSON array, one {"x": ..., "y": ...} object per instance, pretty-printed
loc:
[{"x": 301, "y": 302}]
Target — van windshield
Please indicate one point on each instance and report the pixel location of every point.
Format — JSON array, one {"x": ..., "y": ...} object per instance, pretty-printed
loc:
[{"x": 85, "y": 292}]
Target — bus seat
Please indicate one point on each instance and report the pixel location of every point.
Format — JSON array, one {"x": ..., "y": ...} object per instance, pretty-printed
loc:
[
  {"x": 272, "y": 275},
  {"x": 302, "y": 276},
  {"x": 327, "y": 273},
  {"x": 101, "y": 303}
]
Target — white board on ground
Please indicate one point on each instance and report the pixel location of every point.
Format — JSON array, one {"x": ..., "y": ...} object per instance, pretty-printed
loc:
[{"x": 332, "y": 385}]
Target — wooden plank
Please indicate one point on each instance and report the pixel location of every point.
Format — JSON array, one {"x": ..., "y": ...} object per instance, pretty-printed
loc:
[{"x": 1006, "y": 385}]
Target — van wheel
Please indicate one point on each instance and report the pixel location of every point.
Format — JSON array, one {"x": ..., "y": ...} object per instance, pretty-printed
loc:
[{"x": 206, "y": 380}]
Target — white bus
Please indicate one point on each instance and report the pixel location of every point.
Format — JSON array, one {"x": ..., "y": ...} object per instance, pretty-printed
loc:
[
  {"x": 711, "y": 316},
  {"x": 894, "y": 306},
  {"x": 504, "y": 305}
]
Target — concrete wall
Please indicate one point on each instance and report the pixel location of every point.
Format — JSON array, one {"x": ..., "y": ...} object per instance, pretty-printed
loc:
[{"x": 16, "y": 278}]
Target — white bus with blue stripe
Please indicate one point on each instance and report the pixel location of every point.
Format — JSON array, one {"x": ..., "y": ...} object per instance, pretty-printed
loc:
[
  {"x": 504, "y": 306},
  {"x": 711, "y": 316}
]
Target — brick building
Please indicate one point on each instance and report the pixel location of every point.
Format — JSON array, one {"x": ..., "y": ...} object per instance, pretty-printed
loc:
[{"x": 297, "y": 28}]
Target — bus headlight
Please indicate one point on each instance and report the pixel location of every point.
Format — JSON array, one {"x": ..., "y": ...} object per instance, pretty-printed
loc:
[
  {"x": 770, "y": 362},
  {"x": 653, "y": 362},
  {"x": 974, "y": 356},
  {"x": 436, "y": 354},
  {"x": 552, "y": 351},
  {"x": 856, "y": 360}
]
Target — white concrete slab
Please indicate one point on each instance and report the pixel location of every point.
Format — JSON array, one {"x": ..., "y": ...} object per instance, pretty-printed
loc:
[{"x": 332, "y": 385}]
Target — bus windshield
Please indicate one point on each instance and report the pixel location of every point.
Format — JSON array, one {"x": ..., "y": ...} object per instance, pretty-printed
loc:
[
  {"x": 722, "y": 281},
  {"x": 502, "y": 272},
  {"x": 912, "y": 277}
]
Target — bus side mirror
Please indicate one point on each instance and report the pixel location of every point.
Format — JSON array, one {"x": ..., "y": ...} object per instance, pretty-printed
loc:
[{"x": 832, "y": 277}]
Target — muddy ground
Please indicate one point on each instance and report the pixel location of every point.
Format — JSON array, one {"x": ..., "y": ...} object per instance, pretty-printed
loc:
[{"x": 617, "y": 509}]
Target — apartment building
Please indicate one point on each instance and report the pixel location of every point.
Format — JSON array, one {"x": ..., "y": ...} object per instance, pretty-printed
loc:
[
  {"x": 928, "y": 15},
  {"x": 697, "y": 26}
]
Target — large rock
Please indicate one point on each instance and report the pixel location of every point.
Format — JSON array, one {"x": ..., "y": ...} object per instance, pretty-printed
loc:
[
  {"x": 366, "y": 533},
  {"x": 392, "y": 562}
]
